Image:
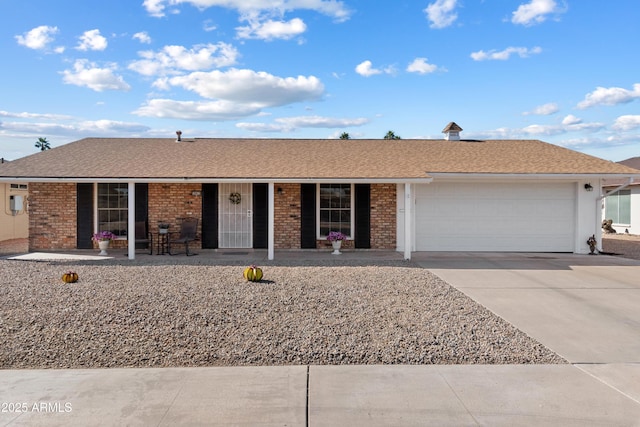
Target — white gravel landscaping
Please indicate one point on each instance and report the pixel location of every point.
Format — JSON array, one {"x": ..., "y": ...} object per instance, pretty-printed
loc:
[{"x": 123, "y": 314}]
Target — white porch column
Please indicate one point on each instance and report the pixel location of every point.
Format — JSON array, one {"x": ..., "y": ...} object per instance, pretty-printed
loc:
[
  {"x": 131, "y": 222},
  {"x": 408, "y": 221},
  {"x": 271, "y": 222}
]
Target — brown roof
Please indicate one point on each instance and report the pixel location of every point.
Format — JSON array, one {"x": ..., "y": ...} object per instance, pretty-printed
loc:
[
  {"x": 633, "y": 162},
  {"x": 271, "y": 159},
  {"x": 452, "y": 126}
]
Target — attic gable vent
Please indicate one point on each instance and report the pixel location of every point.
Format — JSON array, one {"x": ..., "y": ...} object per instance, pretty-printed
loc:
[{"x": 452, "y": 132}]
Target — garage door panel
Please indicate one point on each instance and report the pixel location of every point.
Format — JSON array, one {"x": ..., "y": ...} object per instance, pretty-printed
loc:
[{"x": 536, "y": 217}]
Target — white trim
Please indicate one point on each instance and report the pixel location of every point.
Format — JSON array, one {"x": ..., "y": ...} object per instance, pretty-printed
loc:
[
  {"x": 271, "y": 222},
  {"x": 408, "y": 221},
  {"x": 131, "y": 220},
  {"x": 351, "y": 209},
  {"x": 526, "y": 176},
  {"x": 425, "y": 180}
]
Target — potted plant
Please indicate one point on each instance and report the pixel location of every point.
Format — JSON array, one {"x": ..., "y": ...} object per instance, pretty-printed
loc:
[
  {"x": 103, "y": 238},
  {"x": 163, "y": 227},
  {"x": 336, "y": 238}
]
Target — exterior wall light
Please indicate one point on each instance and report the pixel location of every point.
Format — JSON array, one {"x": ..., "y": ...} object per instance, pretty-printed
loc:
[{"x": 588, "y": 186}]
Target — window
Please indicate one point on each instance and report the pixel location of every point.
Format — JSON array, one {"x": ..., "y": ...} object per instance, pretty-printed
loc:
[
  {"x": 618, "y": 207},
  {"x": 19, "y": 186},
  {"x": 112, "y": 208},
  {"x": 335, "y": 209}
]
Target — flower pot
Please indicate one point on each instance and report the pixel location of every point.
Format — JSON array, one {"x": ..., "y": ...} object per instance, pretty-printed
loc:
[
  {"x": 103, "y": 245},
  {"x": 336, "y": 247}
]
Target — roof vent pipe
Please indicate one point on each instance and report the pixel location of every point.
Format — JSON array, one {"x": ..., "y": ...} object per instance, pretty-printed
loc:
[{"x": 179, "y": 134}]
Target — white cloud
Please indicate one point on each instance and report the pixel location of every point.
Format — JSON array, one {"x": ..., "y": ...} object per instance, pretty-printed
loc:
[
  {"x": 571, "y": 120},
  {"x": 544, "y": 110},
  {"x": 610, "y": 96},
  {"x": 366, "y": 69},
  {"x": 25, "y": 115},
  {"x": 441, "y": 13},
  {"x": 334, "y": 8},
  {"x": 248, "y": 86},
  {"x": 92, "y": 40},
  {"x": 191, "y": 110},
  {"x": 37, "y": 38},
  {"x": 234, "y": 94},
  {"x": 421, "y": 66},
  {"x": 535, "y": 12},
  {"x": 209, "y": 26},
  {"x": 170, "y": 59},
  {"x": 89, "y": 75},
  {"x": 142, "y": 37},
  {"x": 289, "y": 124},
  {"x": 626, "y": 123},
  {"x": 269, "y": 29},
  {"x": 505, "y": 54}
]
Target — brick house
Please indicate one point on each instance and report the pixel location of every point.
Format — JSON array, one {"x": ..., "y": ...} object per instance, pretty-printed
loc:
[{"x": 404, "y": 195}]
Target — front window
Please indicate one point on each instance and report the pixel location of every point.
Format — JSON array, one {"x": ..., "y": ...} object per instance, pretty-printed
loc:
[
  {"x": 113, "y": 208},
  {"x": 335, "y": 209},
  {"x": 618, "y": 207}
]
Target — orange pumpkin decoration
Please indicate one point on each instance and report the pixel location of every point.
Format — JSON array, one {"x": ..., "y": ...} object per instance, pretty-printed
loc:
[{"x": 70, "y": 277}]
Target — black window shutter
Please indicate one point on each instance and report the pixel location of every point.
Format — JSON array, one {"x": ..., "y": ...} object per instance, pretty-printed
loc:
[
  {"x": 209, "y": 216},
  {"x": 260, "y": 216},
  {"x": 84, "y": 215},
  {"x": 308, "y": 216},
  {"x": 362, "y": 238},
  {"x": 142, "y": 202},
  {"x": 142, "y": 208}
]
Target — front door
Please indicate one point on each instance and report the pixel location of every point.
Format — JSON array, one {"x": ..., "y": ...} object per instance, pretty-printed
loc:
[{"x": 235, "y": 220}]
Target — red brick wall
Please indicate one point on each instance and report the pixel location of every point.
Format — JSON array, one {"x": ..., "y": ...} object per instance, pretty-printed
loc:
[
  {"x": 52, "y": 216},
  {"x": 287, "y": 216},
  {"x": 170, "y": 202},
  {"x": 383, "y": 216}
]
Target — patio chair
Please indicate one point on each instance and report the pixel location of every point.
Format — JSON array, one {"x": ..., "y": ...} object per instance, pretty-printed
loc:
[
  {"x": 143, "y": 236},
  {"x": 188, "y": 231}
]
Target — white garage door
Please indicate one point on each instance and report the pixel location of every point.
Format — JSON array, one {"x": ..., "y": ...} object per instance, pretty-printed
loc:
[{"x": 513, "y": 217}]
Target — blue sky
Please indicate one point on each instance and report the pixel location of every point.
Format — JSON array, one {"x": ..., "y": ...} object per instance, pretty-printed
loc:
[{"x": 566, "y": 72}]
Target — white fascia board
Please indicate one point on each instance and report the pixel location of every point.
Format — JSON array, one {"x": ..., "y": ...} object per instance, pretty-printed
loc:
[
  {"x": 520, "y": 176},
  {"x": 221, "y": 180}
]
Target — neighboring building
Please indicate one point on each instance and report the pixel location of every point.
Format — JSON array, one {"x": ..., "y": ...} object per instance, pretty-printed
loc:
[
  {"x": 14, "y": 220},
  {"x": 405, "y": 195},
  {"x": 623, "y": 206}
]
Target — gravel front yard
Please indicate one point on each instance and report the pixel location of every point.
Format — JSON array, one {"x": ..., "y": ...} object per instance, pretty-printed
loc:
[{"x": 207, "y": 315}]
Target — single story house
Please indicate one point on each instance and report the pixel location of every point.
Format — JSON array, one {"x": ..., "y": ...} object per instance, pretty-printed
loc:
[
  {"x": 406, "y": 195},
  {"x": 622, "y": 204}
]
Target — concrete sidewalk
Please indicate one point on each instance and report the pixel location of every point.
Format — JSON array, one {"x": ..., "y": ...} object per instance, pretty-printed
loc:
[
  {"x": 498, "y": 395},
  {"x": 585, "y": 308}
]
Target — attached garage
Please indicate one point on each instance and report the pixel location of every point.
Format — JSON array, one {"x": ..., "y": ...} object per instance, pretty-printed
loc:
[{"x": 501, "y": 217}]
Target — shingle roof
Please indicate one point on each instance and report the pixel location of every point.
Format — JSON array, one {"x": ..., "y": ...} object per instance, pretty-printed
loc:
[
  {"x": 452, "y": 126},
  {"x": 207, "y": 158},
  {"x": 633, "y": 162}
]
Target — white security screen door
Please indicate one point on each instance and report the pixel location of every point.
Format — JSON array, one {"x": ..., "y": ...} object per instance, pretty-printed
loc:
[{"x": 236, "y": 215}]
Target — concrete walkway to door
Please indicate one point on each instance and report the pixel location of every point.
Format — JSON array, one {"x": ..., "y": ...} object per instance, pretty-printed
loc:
[{"x": 585, "y": 308}]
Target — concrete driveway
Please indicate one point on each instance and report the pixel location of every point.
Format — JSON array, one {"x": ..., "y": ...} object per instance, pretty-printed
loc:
[{"x": 585, "y": 308}]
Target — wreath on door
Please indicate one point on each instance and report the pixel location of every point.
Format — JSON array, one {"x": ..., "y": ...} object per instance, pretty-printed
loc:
[{"x": 235, "y": 198}]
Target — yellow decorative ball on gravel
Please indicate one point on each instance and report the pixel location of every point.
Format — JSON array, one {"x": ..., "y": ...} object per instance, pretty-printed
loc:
[
  {"x": 253, "y": 273},
  {"x": 70, "y": 277}
]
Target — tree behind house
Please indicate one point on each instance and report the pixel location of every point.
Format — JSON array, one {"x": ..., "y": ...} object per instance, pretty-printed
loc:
[
  {"x": 43, "y": 144},
  {"x": 391, "y": 135}
]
